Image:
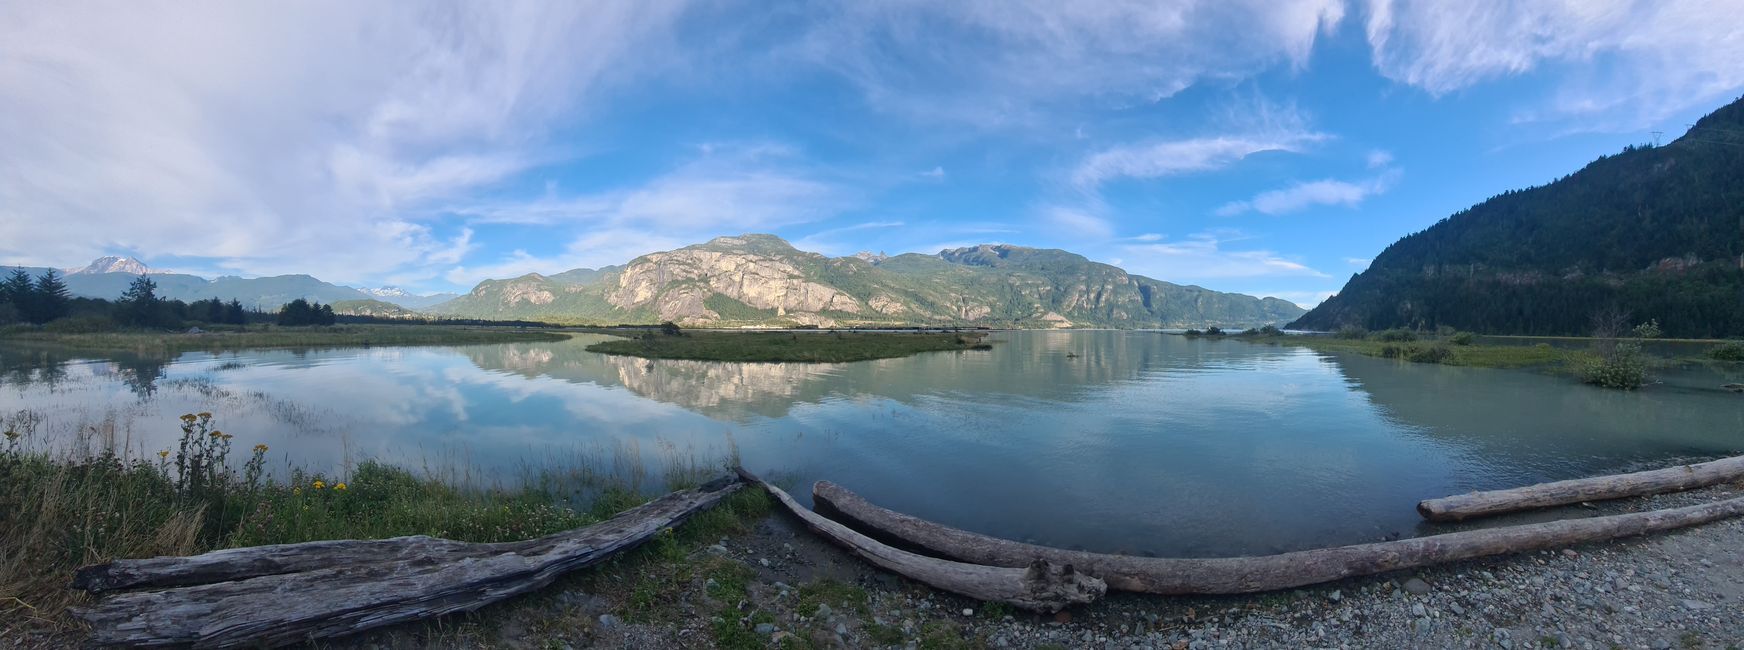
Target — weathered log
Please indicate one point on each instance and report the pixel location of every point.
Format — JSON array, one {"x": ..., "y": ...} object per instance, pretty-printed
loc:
[
  {"x": 1035, "y": 585},
  {"x": 1237, "y": 575},
  {"x": 1598, "y": 488},
  {"x": 387, "y": 587}
]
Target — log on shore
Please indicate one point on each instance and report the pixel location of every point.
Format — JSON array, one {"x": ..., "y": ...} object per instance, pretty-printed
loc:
[
  {"x": 1035, "y": 584},
  {"x": 1598, "y": 488},
  {"x": 298, "y": 600},
  {"x": 1240, "y": 575}
]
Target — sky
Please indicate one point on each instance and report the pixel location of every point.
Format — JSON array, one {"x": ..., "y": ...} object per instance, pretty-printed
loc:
[{"x": 1269, "y": 147}]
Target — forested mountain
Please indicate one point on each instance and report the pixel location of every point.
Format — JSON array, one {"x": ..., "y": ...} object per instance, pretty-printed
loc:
[
  {"x": 1657, "y": 232},
  {"x": 761, "y": 279}
]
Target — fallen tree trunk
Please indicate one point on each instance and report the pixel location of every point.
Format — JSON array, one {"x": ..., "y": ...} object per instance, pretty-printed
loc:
[
  {"x": 1237, "y": 575},
  {"x": 326, "y": 593},
  {"x": 1035, "y": 584},
  {"x": 1598, "y": 488}
]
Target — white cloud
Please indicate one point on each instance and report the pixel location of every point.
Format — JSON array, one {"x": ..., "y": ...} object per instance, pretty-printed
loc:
[
  {"x": 936, "y": 173},
  {"x": 1072, "y": 223},
  {"x": 1358, "y": 261},
  {"x": 1202, "y": 257},
  {"x": 1635, "y": 61},
  {"x": 1169, "y": 158},
  {"x": 1303, "y": 299},
  {"x": 828, "y": 241},
  {"x": 997, "y": 62},
  {"x": 1379, "y": 158},
  {"x": 1149, "y": 236},
  {"x": 1303, "y": 195},
  {"x": 277, "y": 137}
]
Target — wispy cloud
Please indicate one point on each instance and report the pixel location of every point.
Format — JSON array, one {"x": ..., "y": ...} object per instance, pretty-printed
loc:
[
  {"x": 1639, "y": 60},
  {"x": 992, "y": 63},
  {"x": 272, "y": 137},
  {"x": 1203, "y": 256},
  {"x": 1304, "y": 195}
]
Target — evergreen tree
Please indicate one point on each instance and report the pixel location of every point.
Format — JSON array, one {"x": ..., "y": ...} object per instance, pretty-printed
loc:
[
  {"x": 18, "y": 291},
  {"x": 234, "y": 314},
  {"x": 50, "y": 298},
  {"x": 326, "y": 316},
  {"x": 296, "y": 312},
  {"x": 139, "y": 305}
]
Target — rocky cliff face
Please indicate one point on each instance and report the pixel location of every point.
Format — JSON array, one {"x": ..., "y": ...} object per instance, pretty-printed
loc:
[{"x": 762, "y": 280}]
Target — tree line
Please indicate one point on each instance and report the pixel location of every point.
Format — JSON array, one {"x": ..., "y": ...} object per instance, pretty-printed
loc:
[{"x": 45, "y": 300}]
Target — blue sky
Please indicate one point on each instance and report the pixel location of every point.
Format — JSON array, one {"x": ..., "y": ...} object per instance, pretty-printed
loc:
[{"x": 1266, "y": 147}]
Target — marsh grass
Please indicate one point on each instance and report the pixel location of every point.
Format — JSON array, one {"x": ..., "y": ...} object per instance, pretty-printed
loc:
[
  {"x": 91, "y": 500},
  {"x": 273, "y": 336},
  {"x": 804, "y": 347},
  {"x": 1395, "y": 344}
]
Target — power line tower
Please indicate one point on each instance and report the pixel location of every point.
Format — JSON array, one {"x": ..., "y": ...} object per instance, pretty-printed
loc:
[{"x": 1656, "y": 135}]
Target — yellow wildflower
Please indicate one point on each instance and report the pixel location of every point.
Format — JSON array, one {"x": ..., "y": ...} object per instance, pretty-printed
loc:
[
  {"x": 260, "y": 449},
  {"x": 228, "y": 436},
  {"x": 205, "y": 415},
  {"x": 217, "y": 433},
  {"x": 339, "y": 487},
  {"x": 188, "y": 417},
  {"x": 163, "y": 454},
  {"x": 319, "y": 484}
]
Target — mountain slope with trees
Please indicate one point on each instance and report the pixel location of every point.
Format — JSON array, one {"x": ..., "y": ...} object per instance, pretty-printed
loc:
[
  {"x": 763, "y": 280},
  {"x": 1653, "y": 232}
]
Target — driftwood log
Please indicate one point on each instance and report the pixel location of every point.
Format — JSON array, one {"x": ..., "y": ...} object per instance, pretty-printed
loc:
[
  {"x": 1598, "y": 488},
  {"x": 275, "y": 595},
  {"x": 1237, "y": 575},
  {"x": 1034, "y": 584}
]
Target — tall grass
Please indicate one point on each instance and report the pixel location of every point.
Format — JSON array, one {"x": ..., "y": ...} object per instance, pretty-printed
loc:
[{"x": 90, "y": 501}]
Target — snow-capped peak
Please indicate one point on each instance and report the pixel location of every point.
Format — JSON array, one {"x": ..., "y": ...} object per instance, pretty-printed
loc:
[{"x": 112, "y": 264}]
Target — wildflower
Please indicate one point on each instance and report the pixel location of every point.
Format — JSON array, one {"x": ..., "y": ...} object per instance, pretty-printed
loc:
[
  {"x": 12, "y": 435},
  {"x": 319, "y": 484},
  {"x": 204, "y": 415},
  {"x": 163, "y": 453},
  {"x": 260, "y": 449},
  {"x": 296, "y": 491},
  {"x": 339, "y": 487},
  {"x": 228, "y": 436},
  {"x": 216, "y": 434},
  {"x": 188, "y": 418}
]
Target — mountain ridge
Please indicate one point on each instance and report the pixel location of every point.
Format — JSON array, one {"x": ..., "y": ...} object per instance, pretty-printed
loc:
[
  {"x": 1653, "y": 232},
  {"x": 761, "y": 279}
]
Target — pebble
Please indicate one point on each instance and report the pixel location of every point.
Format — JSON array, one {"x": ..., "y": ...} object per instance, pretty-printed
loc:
[
  {"x": 764, "y": 628},
  {"x": 607, "y": 621},
  {"x": 1696, "y": 605},
  {"x": 824, "y": 611},
  {"x": 1417, "y": 586},
  {"x": 763, "y": 561},
  {"x": 1335, "y": 596}
]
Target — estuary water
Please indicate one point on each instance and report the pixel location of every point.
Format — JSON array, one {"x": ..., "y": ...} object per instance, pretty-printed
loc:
[{"x": 1134, "y": 442}]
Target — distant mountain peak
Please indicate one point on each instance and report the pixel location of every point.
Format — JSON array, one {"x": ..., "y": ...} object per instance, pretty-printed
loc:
[{"x": 112, "y": 264}]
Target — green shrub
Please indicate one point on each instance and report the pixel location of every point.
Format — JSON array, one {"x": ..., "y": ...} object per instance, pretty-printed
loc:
[
  {"x": 1462, "y": 338},
  {"x": 1728, "y": 351},
  {"x": 1352, "y": 332},
  {"x": 1624, "y": 367},
  {"x": 1396, "y": 335},
  {"x": 1416, "y": 353}
]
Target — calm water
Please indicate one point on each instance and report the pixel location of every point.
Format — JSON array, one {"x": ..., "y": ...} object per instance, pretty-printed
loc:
[{"x": 1142, "y": 443}]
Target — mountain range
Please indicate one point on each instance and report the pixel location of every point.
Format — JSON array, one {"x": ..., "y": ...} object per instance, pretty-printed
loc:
[
  {"x": 759, "y": 279},
  {"x": 108, "y": 278},
  {"x": 1654, "y": 232}
]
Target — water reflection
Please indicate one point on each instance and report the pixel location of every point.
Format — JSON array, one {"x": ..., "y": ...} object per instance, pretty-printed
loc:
[{"x": 1120, "y": 441}]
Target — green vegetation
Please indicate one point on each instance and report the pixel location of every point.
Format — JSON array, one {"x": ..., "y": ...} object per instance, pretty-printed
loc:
[
  {"x": 302, "y": 312},
  {"x": 60, "y": 510},
  {"x": 811, "y": 346},
  {"x": 1618, "y": 361},
  {"x": 1426, "y": 349},
  {"x": 1651, "y": 230},
  {"x": 1728, "y": 351},
  {"x": 267, "y": 336}
]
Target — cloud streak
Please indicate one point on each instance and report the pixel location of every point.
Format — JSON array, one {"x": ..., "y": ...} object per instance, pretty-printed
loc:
[{"x": 1304, "y": 195}]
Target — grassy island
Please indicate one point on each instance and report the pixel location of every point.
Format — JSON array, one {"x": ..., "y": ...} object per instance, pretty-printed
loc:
[
  {"x": 806, "y": 346},
  {"x": 274, "y": 336}
]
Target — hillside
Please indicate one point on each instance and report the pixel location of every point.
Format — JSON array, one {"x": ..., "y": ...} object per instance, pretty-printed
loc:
[
  {"x": 1657, "y": 232},
  {"x": 266, "y": 293},
  {"x": 761, "y": 279}
]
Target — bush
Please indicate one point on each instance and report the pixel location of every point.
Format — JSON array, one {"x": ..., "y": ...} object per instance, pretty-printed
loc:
[
  {"x": 1416, "y": 353},
  {"x": 80, "y": 325},
  {"x": 1192, "y": 332},
  {"x": 1352, "y": 332},
  {"x": 1625, "y": 367},
  {"x": 1462, "y": 338},
  {"x": 1729, "y": 351},
  {"x": 1396, "y": 335}
]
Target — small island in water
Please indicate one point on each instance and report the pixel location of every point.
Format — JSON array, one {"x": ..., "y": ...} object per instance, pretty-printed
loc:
[{"x": 805, "y": 346}]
